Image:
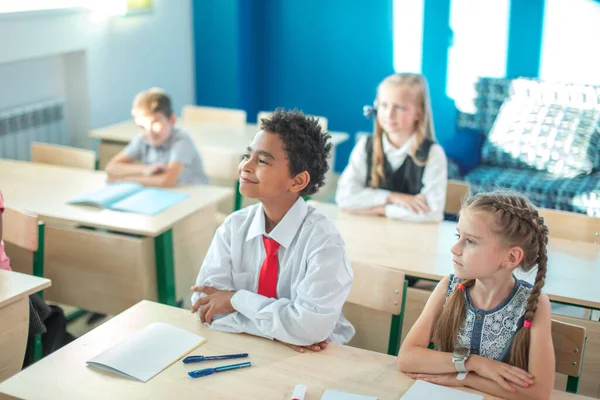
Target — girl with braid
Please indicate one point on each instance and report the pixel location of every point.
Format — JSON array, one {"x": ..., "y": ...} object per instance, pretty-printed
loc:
[
  {"x": 399, "y": 171},
  {"x": 491, "y": 327}
]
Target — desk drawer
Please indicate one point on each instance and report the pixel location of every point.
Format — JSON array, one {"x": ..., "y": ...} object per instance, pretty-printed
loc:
[{"x": 94, "y": 270}]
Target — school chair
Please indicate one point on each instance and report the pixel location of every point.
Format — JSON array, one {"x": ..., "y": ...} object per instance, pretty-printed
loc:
[
  {"x": 26, "y": 232},
  {"x": 218, "y": 166},
  {"x": 213, "y": 114},
  {"x": 382, "y": 292},
  {"x": 222, "y": 168},
  {"x": 267, "y": 114},
  {"x": 456, "y": 192},
  {"x": 569, "y": 346},
  {"x": 571, "y": 226},
  {"x": 65, "y": 156}
]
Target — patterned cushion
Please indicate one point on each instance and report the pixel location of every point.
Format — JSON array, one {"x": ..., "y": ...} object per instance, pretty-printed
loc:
[
  {"x": 454, "y": 170},
  {"x": 491, "y": 93},
  {"x": 580, "y": 194},
  {"x": 569, "y": 94},
  {"x": 561, "y": 139}
]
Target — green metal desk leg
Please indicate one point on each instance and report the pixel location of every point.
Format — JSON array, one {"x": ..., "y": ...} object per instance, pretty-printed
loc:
[
  {"x": 165, "y": 268},
  {"x": 237, "y": 204},
  {"x": 396, "y": 328},
  {"x": 36, "y": 350},
  {"x": 573, "y": 381}
]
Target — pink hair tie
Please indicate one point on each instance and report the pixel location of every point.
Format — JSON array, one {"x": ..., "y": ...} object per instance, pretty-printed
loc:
[
  {"x": 527, "y": 324},
  {"x": 461, "y": 287}
]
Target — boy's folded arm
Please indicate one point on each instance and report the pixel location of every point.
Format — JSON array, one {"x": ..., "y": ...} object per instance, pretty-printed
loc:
[
  {"x": 313, "y": 315},
  {"x": 122, "y": 165},
  {"x": 216, "y": 267},
  {"x": 167, "y": 178},
  {"x": 236, "y": 323}
]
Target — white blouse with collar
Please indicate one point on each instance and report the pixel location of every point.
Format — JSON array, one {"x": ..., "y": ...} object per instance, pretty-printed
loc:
[{"x": 353, "y": 194}]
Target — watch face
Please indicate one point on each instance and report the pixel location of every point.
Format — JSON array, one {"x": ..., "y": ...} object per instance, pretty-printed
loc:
[{"x": 460, "y": 352}]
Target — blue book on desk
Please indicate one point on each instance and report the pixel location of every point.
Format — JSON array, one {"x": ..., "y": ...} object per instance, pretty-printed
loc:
[{"x": 131, "y": 197}]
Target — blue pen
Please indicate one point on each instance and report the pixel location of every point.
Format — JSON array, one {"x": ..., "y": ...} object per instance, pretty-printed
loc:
[
  {"x": 195, "y": 359},
  {"x": 209, "y": 371}
]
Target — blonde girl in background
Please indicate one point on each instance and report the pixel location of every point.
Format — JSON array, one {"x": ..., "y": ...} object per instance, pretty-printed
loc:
[{"x": 399, "y": 171}]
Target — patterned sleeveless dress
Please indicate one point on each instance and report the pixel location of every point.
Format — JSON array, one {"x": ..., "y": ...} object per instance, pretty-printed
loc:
[{"x": 490, "y": 333}]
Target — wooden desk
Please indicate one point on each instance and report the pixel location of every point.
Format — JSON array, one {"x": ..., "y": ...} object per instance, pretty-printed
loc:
[
  {"x": 15, "y": 289},
  {"x": 209, "y": 137},
  {"x": 275, "y": 369},
  {"x": 108, "y": 271},
  {"x": 423, "y": 251}
]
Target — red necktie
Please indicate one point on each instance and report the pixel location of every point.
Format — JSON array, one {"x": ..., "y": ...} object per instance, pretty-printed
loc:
[{"x": 267, "y": 281}]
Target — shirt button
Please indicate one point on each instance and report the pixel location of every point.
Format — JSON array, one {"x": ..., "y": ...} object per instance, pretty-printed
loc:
[{"x": 478, "y": 317}]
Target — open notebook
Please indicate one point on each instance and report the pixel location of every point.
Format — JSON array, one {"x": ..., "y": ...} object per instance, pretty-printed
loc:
[
  {"x": 425, "y": 390},
  {"x": 131, "y": 197},
  {"x": 148, "y": 352},
  {"x": 337, "y": 395}
]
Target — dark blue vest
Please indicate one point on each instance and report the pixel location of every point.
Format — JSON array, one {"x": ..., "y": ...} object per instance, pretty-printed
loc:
[{"x": 406, "y": 179}]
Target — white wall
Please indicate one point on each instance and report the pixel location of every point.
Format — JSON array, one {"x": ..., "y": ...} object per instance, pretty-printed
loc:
[
  {"x": 51, "y": 54},
  {"x": 42, "y": 78}
]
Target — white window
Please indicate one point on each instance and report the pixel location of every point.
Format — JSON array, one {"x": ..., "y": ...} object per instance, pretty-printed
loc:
[
  {"x": 570, "y": 41},
  {"x": 479, "y": 47},
  {"x": 408, "y": 35},
  {"x": 114, "y": 7}
]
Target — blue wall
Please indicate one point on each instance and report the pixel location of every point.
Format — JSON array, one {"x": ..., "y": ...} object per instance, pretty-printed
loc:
[
  {"x": 324, "y": 57},
  {"x": 327, "y": 57},
  {"x": 525, "y": 38},
  {"x": 216, "y": 49}
]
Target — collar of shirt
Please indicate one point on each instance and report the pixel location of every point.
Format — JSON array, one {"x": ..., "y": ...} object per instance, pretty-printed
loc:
[
  {"x": 167, "y": 143},
  {"x": 388, "y": 147},
  {"x": 285, "y": 230}
]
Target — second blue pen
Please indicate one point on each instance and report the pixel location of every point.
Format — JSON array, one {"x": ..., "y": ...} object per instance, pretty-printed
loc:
[
  {"x": 195, "y": 359},
  {"x": 209, "y": 371}
]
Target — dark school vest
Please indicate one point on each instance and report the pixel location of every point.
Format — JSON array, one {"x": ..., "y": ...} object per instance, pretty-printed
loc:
[{"x": 406, "y": 179}]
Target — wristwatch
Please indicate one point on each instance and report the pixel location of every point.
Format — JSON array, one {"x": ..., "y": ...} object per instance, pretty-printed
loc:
[{"x": 459, "y": 358}]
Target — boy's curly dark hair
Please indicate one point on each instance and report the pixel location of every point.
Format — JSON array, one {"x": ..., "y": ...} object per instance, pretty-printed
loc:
[{"x": 306, "y": 144}]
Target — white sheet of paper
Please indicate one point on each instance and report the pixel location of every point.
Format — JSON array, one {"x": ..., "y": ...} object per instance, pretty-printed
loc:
[
  {"x": 335, "y": 395},
  {"x": 425, "y": 390},
  {"x": 148, "y": 351}
]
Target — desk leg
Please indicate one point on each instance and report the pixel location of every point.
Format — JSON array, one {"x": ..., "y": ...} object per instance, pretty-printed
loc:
[
  {"x": 237, "y": 204},
  {"x": 165, "y": 268}
]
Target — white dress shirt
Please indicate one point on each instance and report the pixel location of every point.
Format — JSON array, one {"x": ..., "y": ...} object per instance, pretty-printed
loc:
[
  {"x": 353, "y": 194},
  {"x": 313, "y": 283}
]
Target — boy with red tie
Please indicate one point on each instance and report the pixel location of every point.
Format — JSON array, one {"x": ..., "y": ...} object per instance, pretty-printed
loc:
[{"x": 279, "y": 269}]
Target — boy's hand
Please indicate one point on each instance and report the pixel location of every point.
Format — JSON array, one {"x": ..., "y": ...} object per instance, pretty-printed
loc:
[
  {"x": 216, "y": 302},
  {"x": 313, "y": 347},
  {"x": 154, "y": 169},
  {"x": 438, "y": 379}
]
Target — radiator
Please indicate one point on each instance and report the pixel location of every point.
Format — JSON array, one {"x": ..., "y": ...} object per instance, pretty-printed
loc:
[{"x": 43, "y": 121}]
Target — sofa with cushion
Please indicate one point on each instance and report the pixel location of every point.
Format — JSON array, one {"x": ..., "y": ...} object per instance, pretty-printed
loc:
[{"x": 542, "y": 140}]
